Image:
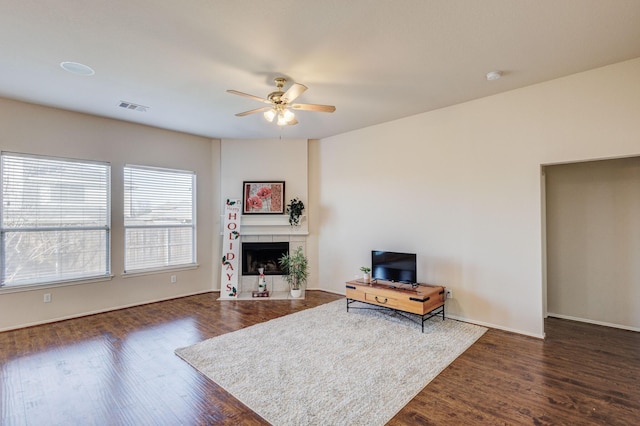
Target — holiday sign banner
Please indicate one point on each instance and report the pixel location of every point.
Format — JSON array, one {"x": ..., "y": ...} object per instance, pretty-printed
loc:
[{"x": 230, "y": 250}]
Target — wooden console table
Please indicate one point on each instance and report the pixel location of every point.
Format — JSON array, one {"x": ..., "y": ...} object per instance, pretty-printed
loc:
[{"x": 424, "y": 300}]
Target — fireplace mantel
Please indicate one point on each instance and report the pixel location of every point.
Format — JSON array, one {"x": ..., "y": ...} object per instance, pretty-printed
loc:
[{"x": 276, "y": 224}]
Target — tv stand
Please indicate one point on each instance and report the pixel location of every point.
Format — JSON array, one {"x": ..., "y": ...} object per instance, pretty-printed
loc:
[{"x": 423, "y": 300}]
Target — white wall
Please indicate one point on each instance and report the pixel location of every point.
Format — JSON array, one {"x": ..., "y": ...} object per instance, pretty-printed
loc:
[
  {"x": 461, "y": 187},
  {"x": 34, "y": 129},
  {"x": 593, "y": 235},
  {"x": 263, "y": 159}
]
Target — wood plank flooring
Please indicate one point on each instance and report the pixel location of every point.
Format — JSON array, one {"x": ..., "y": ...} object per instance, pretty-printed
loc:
[{"x": 118, "y": 368}]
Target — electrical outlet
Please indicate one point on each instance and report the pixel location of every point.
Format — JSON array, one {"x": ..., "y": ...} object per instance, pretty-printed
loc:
[
  {"x": 449, "y": 294},
  {"x": 174, "y": 279},
  {"x": 47, "y": 297}
]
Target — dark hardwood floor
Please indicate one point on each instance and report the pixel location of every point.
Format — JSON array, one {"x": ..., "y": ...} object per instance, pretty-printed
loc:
[{"x": 118, "y": 368}]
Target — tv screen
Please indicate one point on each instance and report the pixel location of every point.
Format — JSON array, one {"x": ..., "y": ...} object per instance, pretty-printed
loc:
[{"x": 392, "y": 266}]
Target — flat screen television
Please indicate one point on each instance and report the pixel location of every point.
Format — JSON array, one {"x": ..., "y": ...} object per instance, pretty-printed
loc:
[{"x": 392, "y": 266}]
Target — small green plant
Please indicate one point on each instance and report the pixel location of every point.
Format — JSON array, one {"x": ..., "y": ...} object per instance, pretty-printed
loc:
[
  {"x": 295, "y": 268},
  {"x": 365, "y": 269},
  {"x": 294, "y": 210}
]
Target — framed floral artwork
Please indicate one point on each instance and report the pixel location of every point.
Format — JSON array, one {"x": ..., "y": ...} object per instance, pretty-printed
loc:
[{"x": 265, "y": 197}]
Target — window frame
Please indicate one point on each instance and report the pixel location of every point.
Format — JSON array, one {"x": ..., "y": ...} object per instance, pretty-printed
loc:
[
  {"x": 193, "y": 226},
  {"x": 107, "y": 227}
]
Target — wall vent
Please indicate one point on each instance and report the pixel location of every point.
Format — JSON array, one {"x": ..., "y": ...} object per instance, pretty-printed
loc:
[{"x": 132, "y": 106}]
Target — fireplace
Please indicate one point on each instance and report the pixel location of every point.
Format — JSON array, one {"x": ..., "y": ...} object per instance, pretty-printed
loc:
[{"x": 263, "y": 255}]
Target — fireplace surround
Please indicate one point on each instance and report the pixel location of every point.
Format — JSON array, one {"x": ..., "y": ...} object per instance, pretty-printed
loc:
[{"x": 269, "y": 231}]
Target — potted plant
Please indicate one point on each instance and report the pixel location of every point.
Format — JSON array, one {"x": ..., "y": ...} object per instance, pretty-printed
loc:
[
  {"x": 366, "y": 277},
  {"x": 294, "y": 210},
  {"x": 296, "y": 270}
]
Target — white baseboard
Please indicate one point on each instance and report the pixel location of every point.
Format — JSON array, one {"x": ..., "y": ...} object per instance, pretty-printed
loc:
[
  {"x": 326, "y": 291},
  {"x": 589, "y": 321},
  {"x": 497, "y": 327},
  {"x": 101, "y": 311}
]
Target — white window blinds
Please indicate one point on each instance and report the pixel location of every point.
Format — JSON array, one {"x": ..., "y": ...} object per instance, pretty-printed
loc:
[
  {"x": 55, "y": 219},
  {"x": 159, "y": 218}
]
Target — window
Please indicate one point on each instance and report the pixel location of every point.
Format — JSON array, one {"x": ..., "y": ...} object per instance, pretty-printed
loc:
[
  {"x": 159, "y": 218},
  {"x": 55, "y": 220}
]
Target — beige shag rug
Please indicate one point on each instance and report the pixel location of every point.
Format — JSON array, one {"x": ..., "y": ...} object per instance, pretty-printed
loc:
[{"x": 324, "y": 366}]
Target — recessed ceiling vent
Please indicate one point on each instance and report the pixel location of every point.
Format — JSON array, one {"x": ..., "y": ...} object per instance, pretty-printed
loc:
[{"x": 134, "y": 107}]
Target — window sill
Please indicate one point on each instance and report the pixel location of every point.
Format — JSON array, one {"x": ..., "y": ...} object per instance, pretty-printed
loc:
[
  {"x": 33, "y": 287},
  {"x": 159, "y": 271}
]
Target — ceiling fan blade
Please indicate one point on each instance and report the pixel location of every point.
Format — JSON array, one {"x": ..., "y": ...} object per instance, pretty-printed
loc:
[
  {"x": 253, "y": 111},
  {"x": 292, "y": 122},
  {"x": 294, "y": 91},
  {"x": 246, "y": 95},
  {"x": 314, "y": 107}
]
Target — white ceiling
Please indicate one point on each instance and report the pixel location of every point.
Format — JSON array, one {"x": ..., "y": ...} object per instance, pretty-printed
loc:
[{"x": 375, "y": 61}]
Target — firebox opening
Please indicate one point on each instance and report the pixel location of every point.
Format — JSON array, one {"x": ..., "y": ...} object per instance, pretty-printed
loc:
[{"x": 263, "y": 255}]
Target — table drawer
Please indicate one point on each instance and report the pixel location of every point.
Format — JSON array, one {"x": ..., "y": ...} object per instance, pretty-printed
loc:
[{"x": 381, "y": 300}]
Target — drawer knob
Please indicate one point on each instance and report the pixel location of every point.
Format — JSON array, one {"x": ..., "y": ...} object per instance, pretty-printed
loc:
[{"x": 381, "y": 301}]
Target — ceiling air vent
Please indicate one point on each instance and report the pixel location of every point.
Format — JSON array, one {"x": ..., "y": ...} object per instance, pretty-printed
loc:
[{"x": 135, "y": 107}]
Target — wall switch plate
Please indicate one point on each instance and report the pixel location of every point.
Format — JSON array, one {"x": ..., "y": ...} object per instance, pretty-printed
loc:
[
  {"x": 174, "y": 279},
  {"x": 449, "y": 294},
  {"x": 47, "y": 297}
]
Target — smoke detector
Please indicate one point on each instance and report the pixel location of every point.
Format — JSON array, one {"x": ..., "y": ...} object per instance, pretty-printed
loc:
[{"x": 494, "y": 75}]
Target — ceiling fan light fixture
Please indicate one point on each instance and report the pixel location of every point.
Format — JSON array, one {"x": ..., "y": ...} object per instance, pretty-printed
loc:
[
  {"x": 286, "y": 118},
  {"x": 289, "y": 116},
  {"x": 270, "y": 115},
  {"x": 280, "y": 103}
]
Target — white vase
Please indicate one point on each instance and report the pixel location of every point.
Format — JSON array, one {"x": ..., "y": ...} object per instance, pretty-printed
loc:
[
  {"x": 366, "y": 277},
  {"x": 262, "y": 283},
  {"x": 296, "y": 293}
]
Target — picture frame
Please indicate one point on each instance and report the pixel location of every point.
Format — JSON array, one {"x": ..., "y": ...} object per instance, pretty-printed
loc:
[{"x": 263, "y": 197}]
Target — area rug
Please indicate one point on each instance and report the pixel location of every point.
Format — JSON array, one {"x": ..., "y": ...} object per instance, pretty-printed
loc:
[{"x": 327, "y": 366}]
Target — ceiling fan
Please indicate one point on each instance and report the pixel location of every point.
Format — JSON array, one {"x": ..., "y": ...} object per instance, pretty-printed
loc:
[{"x": 280, "y": 103}]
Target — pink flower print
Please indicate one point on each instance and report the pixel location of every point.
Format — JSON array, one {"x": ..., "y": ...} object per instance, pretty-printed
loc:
[
  {"x": 264, "y": 192},
  {"x": 254, "y": 203}
]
